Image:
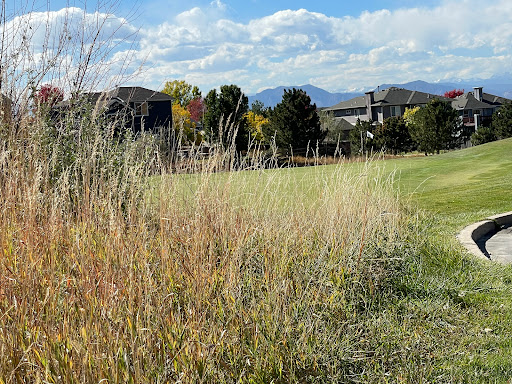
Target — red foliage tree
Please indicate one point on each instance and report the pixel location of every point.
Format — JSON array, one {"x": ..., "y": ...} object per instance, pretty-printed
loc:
[
  {"x": 454, "y": 93},
  {"x": 196, "y": 109},
  {"x": 49, "y": 95}
]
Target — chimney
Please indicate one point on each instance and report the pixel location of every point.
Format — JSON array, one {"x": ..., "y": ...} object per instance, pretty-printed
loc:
[
  {"x": 478, "y": 93},
  {"x": 369, "y": 98}
]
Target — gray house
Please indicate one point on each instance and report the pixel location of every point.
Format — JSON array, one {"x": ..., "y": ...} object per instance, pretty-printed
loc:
[
  {"x": 474, "y": 108},
  {"x": 136, "y": 108},
  {"x": 378, "y": 106}
]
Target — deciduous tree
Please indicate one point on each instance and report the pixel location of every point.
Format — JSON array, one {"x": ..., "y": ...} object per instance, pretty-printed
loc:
[
  {"x": 257, "y": 124},
  {"x": 48, "y": 95},
  {"x": 181, "y": 91},
  {"x": 183, "y": 124},
  {"x": 453, "y": 93},
  {"x": 196, "y": 109}
]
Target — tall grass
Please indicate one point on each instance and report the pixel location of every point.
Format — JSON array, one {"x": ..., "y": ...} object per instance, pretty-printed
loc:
[{"x": 219, "y": 277}]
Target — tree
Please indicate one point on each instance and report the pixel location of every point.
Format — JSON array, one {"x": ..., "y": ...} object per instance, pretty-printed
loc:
[
  {"x": 483, "y": 135},
  {"x": 196, "y": 109},
  {"x": 393, "y": 135},
  {"x": 362, "y": 135},
  {"x": 225, "y": 116},
  {"x": 257, "y": 124},
  {"x": 502, "y": 121},
  {"x": 259, "y": 109},
  {"x": 333, "y": 127},
  {"x": 453, "y": 93},
  {"x": 296, "y": 121},
  {"x": 436, "y": 126},
  {"x": 181, "y": 91},
  {"x": 48, "y": 95},
  {"x": 183, "y": 124}
]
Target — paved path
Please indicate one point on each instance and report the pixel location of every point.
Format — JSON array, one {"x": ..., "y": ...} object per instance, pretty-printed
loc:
[{"x": 499, "y": 246}]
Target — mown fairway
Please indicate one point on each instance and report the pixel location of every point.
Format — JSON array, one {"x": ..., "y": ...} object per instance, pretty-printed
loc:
[{"x": 460, "y": 186}]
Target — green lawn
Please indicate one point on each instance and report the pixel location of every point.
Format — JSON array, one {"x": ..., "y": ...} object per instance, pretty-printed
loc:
[
  {"x": 466, "y": 304},
  {"x": 460, "y": 186}
]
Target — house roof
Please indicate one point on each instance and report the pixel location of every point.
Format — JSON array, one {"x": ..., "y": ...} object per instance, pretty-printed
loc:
[
  {"x": 356, "y": 102},
  {"x": 123, "y": 96},
  {"x": 468, "y": 101},
  {"x": 138, "y": 94},
  {"x": 390, "y": 96},
  {"x": 494, "y": 100}
]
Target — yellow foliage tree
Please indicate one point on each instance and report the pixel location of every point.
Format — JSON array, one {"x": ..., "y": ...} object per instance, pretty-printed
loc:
[
  {"x": 256, "y": 125},
  {"x": 182, "y": 122},
  {"x": 181, "y": 91},
  {"x": 410, "y": 115}
]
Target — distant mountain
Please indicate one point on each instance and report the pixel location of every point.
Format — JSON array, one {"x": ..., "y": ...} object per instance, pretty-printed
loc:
[
  {"x": 422, "y": 86},
  {"x": 319, "y": 96},
  {"x": 491, "y": 86},
  {"x": 499, "y": 86}
]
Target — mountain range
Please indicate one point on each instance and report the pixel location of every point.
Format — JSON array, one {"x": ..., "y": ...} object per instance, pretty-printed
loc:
[{"x": 499, "y": 86}]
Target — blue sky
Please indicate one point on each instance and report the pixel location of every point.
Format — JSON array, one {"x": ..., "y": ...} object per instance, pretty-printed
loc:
[{"x": 335, "y": 45}]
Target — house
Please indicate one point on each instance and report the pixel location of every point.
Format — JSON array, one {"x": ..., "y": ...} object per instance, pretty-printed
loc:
[
  {"x": 139, "y": 108},
  {"x": 475, "y": 107},
  {"x": 378, "y": 106}
]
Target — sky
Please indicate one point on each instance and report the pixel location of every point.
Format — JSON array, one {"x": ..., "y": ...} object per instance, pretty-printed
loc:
[{"x": 258, "y": 44}]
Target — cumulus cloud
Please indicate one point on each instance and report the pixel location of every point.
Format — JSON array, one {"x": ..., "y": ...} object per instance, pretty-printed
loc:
[
  {"x": 457, "y": 39},
  {"x": 347, "y": 52}
]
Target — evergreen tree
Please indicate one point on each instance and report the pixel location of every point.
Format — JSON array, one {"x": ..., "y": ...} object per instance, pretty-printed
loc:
[
  {"x": 436, "y": 126},
  {"x": 393, "y": 135},
  {"x": 295, "y": 121},
  {"x": 502, "y": 121},
  {"x": 225, "y": 116},
  {"x": 362, "y": 135}
]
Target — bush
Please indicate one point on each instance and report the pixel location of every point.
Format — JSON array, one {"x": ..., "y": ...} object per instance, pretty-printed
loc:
[{"x": 483, "y": 135}]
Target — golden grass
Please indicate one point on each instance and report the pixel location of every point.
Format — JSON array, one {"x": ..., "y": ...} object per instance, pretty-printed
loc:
[{"x": 232, "y": 280}]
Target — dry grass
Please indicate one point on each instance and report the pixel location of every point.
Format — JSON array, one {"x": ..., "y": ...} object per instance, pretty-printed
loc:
[{"x": 244, "y": 277}]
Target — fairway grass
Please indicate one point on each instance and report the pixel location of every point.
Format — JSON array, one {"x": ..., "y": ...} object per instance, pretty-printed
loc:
[{"x": 467, "y": 185}]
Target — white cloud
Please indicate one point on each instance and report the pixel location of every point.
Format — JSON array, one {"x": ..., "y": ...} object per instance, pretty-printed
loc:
[{"x": 457, "y": 39}]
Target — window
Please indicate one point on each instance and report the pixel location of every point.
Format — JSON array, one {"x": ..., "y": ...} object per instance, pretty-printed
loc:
[
  {"x": 348, "y": 112},
  {"x": 395, "y": 111},
  {"x": 141, "y": 109},
  {"x": 466, "y": 113}
]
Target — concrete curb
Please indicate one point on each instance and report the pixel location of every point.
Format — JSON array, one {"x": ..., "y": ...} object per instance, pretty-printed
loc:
[{"x": 472, "y": 234}]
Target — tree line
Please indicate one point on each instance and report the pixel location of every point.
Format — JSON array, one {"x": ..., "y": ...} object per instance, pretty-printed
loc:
[{"x": 225, "y": 117}]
